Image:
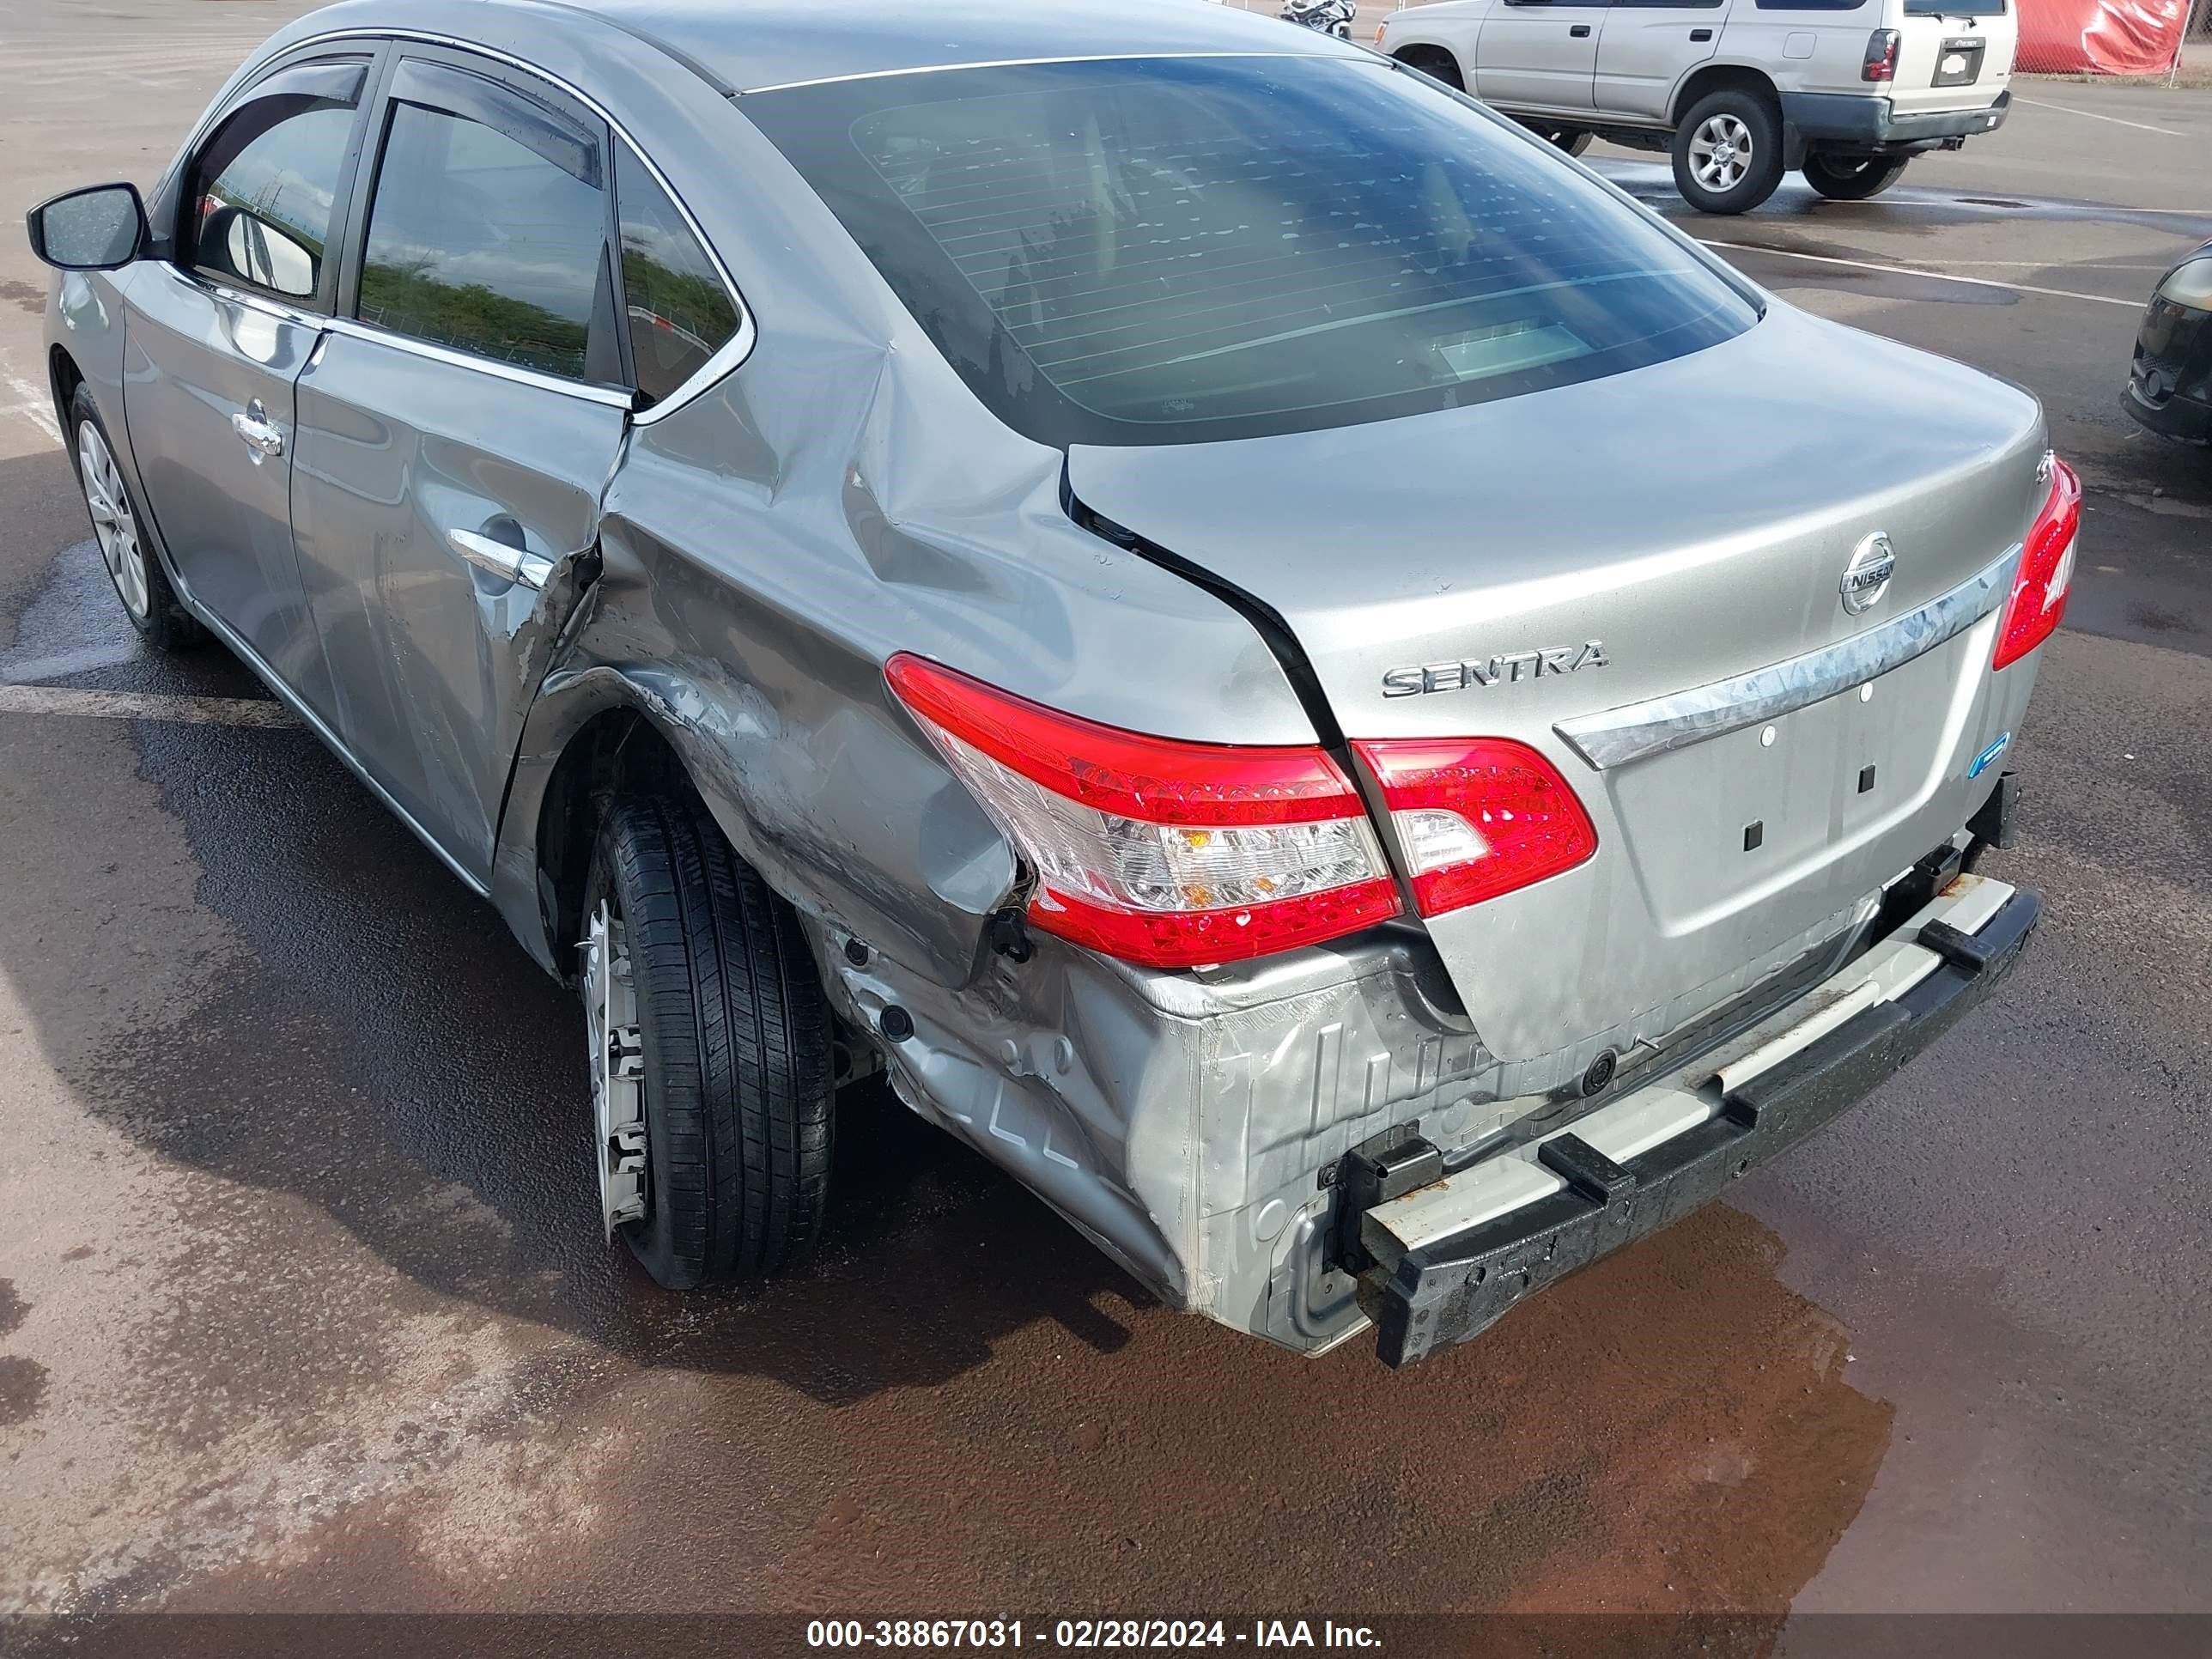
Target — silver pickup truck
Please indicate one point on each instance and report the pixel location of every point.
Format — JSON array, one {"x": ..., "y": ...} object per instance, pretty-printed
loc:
[{"x": 1290, "y": 667}]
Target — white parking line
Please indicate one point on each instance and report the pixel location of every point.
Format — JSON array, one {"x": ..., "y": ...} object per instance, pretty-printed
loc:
[
  {"x": 1931, "y": 276},
  {"x": 2092, "y": 115},
  {"x": 142, "y": 706},
  {"x": 2156, "y": 268}
]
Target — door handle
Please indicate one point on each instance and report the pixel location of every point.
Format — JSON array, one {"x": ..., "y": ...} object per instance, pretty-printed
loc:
[
  {"x": 511, "y": 564},
  {"x": 1581, "y": 31},
  {"x": 261, "y": 434},
  {"x": 1701, "y": 34}
]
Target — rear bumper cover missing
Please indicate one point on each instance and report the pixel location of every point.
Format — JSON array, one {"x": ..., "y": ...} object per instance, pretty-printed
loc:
[{"x": 1654, "y": 1157}]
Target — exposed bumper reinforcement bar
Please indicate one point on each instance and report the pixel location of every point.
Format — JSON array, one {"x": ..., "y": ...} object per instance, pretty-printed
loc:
[{"x": 1451, "y": 1259}]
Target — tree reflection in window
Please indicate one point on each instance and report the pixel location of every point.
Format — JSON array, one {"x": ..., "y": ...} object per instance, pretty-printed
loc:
[
  {"x": 680, "y": 312},
  {"x": 480, "y": 244}
]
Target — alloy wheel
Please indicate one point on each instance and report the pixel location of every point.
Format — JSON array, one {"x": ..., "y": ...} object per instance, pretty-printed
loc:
[
  {"x": 114, "y": 523},
  {"x": 617, "y": 1053},
  {"x": 1721, "y": 152}
]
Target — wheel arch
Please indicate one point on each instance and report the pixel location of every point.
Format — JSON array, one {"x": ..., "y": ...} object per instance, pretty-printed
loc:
[
  {"x": 616, "y": 748},
  {"x": 1710, "y": 77},
  {"x": 1426, "y": 55},
  {"x": 63, "y": 377},
  {"x": 778, "y": 780}
]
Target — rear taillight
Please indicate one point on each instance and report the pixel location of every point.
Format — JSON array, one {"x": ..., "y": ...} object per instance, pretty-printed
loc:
[
  {"x": 1168, "y": 853},
  {"x": 1477, "y": 817},
  {"x": 2046, "y": 570},
  {"x": 1880, "y": 56}
]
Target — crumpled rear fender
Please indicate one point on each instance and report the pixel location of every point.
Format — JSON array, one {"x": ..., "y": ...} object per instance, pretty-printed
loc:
[{"x": 766, "y": 547}]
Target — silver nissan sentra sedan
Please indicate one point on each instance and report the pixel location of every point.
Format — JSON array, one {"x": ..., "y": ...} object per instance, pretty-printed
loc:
[{"x": 1295, "y": 668}]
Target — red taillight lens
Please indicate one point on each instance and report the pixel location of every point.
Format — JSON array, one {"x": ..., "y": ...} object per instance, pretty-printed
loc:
[
  {"x": 1477, "y": 817},
  {"x": 2046, "y": 570},
  {"x": 1168, "y": 853},
  {"x": 1880, "y": 56}
]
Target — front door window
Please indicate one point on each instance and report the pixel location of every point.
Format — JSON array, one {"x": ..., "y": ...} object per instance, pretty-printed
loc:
[{"x": 263, "y": 194}]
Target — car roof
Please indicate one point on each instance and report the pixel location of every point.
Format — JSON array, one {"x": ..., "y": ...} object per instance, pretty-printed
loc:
[{"x": 753, "y": 45}]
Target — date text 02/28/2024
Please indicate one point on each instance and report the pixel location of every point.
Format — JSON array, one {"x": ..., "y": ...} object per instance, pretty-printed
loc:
[{"x": 1075, "y": 1634}]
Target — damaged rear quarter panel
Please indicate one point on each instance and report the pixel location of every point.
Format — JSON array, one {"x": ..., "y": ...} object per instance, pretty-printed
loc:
[
  {"x": 764, "y": 549},
  {"x": 840, "y": 497}
]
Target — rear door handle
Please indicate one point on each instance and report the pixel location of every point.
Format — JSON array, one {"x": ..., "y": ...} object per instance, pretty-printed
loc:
[
  {"x": 261, "y": 434},
  {"x": 1581, "y": 31},
  {"x": 1701, "y": 34},
  {"x": 511, "y": 564}
]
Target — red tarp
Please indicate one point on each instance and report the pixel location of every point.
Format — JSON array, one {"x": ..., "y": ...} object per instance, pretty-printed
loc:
[{"x": 2100, "y": 37}]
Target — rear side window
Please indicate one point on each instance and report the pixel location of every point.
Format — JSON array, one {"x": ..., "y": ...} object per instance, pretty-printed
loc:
[
  {"x": 680, "y": 312},
  {"x": 265, "y": 190},
  {"x": 1182, "y": 249},
  {"x": 488, "y": 231}
]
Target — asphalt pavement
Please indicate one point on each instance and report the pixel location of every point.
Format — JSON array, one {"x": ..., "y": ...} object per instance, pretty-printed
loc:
[{"x": 303, "y": 1303}]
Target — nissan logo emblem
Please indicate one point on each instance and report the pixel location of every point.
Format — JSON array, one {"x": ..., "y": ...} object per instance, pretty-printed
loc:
[{"x": 1865, "y": 577}]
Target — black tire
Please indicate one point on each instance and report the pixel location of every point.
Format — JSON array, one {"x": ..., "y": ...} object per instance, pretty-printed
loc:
[
  {"x": 1853, "y": 178},
  {"x": 1435, "y": 63},
  {"x": 736, "y": 1036},
  {"x": 1573, "y": 140},
  {"x": 1755, "y": 120},
  {"x": 141, "y": 585}
]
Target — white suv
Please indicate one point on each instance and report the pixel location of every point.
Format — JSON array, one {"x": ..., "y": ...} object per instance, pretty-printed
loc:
[{"x": 1740, "y": 91}]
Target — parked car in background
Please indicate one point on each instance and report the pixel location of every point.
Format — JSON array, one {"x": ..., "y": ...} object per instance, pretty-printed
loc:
[
  {"x": 1739, "y": 92},
  {"x": 1191, "y": 598},
  {"x": 2170, "y": 386}
]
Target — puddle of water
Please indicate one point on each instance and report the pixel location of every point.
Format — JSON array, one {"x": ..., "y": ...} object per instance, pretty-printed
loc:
[{"x": 75, "y": 625}]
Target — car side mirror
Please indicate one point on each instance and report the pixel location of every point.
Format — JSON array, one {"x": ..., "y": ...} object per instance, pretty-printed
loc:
[
  {"x": 102, "y": 227},
  {"x": 266, "y": 256}
]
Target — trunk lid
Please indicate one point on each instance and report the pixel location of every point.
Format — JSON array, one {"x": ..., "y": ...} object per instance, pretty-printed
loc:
[{"x": 1592, "y": 548}]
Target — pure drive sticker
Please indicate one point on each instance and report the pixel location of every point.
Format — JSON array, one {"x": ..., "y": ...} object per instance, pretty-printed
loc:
[{"x": 1988, "y": 757}]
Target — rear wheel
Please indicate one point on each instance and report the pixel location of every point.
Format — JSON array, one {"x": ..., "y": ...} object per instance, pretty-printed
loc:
[
  {"x": 1727, "y": 151},
  {"x": 710, "y": 1051},
  {"x": 140, "y": 582},
  {"x": 1853, "y": 178}
]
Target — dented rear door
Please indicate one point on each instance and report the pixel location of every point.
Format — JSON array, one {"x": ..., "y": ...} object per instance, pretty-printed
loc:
[{"x": 456, "y": 432}]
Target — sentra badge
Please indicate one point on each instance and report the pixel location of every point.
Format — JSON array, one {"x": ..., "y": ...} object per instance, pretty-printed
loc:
[{"x": 1494, "y": 671}]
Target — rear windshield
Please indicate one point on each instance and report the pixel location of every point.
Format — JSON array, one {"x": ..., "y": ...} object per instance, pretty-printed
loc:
[{"x": 1173, "y": 250}]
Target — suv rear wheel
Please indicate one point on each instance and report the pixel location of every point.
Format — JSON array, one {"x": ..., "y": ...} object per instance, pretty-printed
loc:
[
  {"x": 1727, "y": 151},
  {"x": 709, "y": 1041},
  {"x": 1853, "y": 178}
]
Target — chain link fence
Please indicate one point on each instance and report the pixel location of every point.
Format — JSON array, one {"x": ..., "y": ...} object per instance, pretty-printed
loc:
[{"x": 2107, "y": 37}]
